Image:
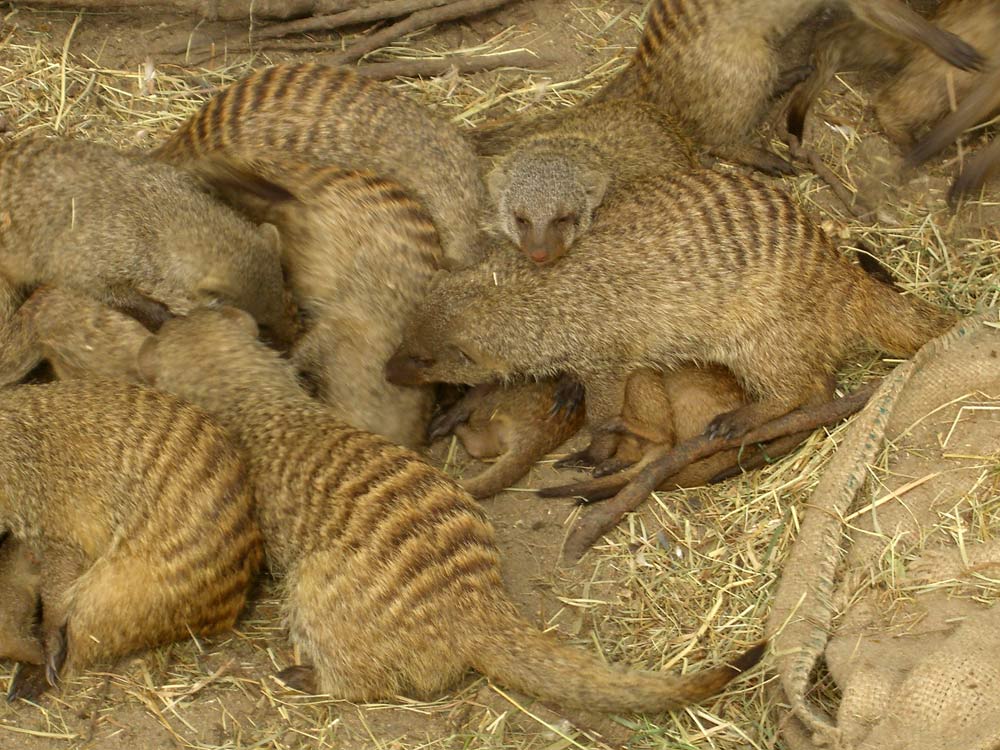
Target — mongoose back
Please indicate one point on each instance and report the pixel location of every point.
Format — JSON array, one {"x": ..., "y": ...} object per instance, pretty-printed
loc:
[
  {"x": 519, "y": 424},
  {"x": 359, "y": 253},
  {"x": 546, "y": 190},
  {"x": 380, "y": 550},
  {"x": 134, "y": 233},
  {"x": 325, "y": 116},
  {"x": 79, "y": 337},
  {"x": 712, "y": 64},
  {"x": 139, "y": 514},
  {"x": 704, "y": 267},
  {"x": 20, "y": 582}
]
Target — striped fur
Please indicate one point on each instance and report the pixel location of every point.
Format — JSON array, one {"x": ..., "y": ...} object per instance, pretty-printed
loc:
[
  {"x": 703, "y": 267},
  {"x": 138, "y": 511},
  {"x": 713, "y": 65},
  {"x": 131, "y": 232},
  {"x": 322, "y": 116},
  {"x": 391, "y": 573}
]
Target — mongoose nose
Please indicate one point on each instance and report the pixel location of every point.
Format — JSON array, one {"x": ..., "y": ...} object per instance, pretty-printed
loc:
[
  {"x": 402, "y": 369},
  {"x": 540, "y": 256}
]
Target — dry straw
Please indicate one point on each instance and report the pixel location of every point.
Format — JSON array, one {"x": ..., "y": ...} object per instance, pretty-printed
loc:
[{"x": 687, "y": 579}]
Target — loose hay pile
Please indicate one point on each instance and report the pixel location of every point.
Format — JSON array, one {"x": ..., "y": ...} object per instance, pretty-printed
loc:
[{"x": 687, "y": 579}]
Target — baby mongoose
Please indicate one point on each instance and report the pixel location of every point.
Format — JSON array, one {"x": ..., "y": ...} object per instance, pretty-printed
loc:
[
  {"x": 518, "y": 423},
  {"x": 79, "y": 337},
  {"x": 19, "y": 586},
  {"x": 136, "y": 234},
  {"x": 359, "y": 253},
  {"x": 139, "y": 514},
  {"x": 390, "y": 568},
  {"x": 312, "y": 113},
  {"x": 705, "y": 267},
  {"x": 712, "y": 64},
  {"x": 547, "y": 189}
]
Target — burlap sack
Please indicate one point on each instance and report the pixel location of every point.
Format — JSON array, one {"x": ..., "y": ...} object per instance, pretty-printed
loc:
[{"x": 893, "y": 572}]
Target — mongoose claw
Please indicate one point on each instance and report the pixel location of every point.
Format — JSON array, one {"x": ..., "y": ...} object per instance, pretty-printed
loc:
[
  {"x": 575, "y": 460},
  {"x": 56, "y": 656},
  {"x": 445, "y": 422},
  {"x": 727, "y": 426},
  {"x": 298, "y": 677},
  {"x": 568, "y": 396},
  {"x": 28, "y": 683},
  {"x": 611, "y": 466}
]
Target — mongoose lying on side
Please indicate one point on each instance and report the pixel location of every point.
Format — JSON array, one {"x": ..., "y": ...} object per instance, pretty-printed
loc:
[
  {"x": 704, "y": 267},
  {"x": 79, "y": 336},
  {"x": 359, "y": 254},
  {"x": 546, "y": 190},
  {"x": 133, "y": 233},
  {"x": 519, "y": 424},
  {"x": 379, "y": 550},
  {"x": 139, "y": 514},
  {"x": 712, "y": 64},
  {"x": 20, "y": 583},
  {"x": 312, "y": 113}
]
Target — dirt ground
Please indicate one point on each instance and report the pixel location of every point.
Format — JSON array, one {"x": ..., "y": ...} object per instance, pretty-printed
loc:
[{"x": 685, "y": 580}]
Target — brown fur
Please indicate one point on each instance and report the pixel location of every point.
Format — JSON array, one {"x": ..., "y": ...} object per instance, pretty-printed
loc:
[
  {"x": 19, "y": 586},
  {"x": 378, "y": 549},
  {"x": 360, "y": 254},
  {"x": 922, "y": 92},
  {"x": 547, "y": 189},
  {"x": 135, "y": 234},
  {"x": 76, "y": 334},
  {"x": 712, "y": 63},
  {"x": 312, "y": 113},
  {"x": 519, "y": 423},
  {"x": 139, "y": 514},
  {"x": 706, "y": 267}
]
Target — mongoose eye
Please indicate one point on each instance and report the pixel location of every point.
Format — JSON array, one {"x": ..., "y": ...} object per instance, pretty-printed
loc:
[
  {"x": 565, "y": 220},
  {"x": 521, "y": 222}
]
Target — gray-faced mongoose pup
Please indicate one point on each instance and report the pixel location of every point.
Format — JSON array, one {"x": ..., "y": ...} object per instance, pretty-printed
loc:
[
  {"x": 140, "y": 515},
  {"x": 359, "y": 253},
  {"x": 378, "y": 549},
  {"x": 133, "y": 233},
  {"x": 312, "y": 113},
  {"x": 79, "y": 337},
  {"x": 704, "y": 267},
  {"x": 20, "y": 582},
  {"x": 712, "y": 64},
  {"x": 517, "y": 424},
  {"x": 546, "y": 190}
]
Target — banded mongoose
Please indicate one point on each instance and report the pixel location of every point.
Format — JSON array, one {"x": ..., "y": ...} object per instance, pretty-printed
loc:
[
  {"x": 547, "y": 189},
  {"x": 78, "y": 336},
  {"x": 712, "y": 64},
  {"x": 359, "y": 253},
  {"x": 378, "y": 549},
  {"x": 517, "y": 424},
  {"x": 133, "y": 233},
  {"x": 20, "y": 583},
  {"x": 705, "y": 267},
  {"x": 324, "y": 116},
  {"x": 138, "y": 511}
]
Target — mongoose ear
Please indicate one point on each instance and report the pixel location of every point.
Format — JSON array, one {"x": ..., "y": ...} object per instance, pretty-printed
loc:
[
  {"x": 496, "y": 183},
  {"x": 241, "y": 318},
  {"x": 269, "y": 233},
  {"x": 596, "y": 185},
  {"x": 147, "y": 360}
]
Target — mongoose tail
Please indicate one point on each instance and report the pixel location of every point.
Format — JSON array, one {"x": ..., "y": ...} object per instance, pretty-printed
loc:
[{"x": 532, "y": 662}]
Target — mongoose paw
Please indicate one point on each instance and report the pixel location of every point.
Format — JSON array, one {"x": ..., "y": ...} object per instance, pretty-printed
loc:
[
  {"x": 445, "y": 423},
  {"x": 730, "y": 425},
  {"x": 29, "y": 682},
  {"x": 611, "y": 466},
  {"x": 298, "y": 677},
  {"x": 575, "y": 460},
  {"x": 568, "y": 396},
  {"x": 960, "y": 53},
  {"x": 55, "y": 648}
]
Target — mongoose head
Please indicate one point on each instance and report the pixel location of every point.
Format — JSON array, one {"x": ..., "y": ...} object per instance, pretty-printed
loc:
[
  {"x": 441, "y": 343},
  {"x": 545, "y": 200}
]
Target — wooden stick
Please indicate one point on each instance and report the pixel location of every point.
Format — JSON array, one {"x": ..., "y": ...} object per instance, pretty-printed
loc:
[
  {"x": 376, "y": 12},
  {"x": 461, "y": 63},
  {"x": 419, "y": 20},
  {"x": 669, "y": 461}
]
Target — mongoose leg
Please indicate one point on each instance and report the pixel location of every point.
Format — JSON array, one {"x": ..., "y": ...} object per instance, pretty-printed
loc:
[
  {"x": 148, "y": 311},
  {"x": 758, "y": 158},
  {"x": 299, "y": 677},
  {"x": 28, "y": 682},
  {"x": 605, "y": 393},
  {"x": 738, "y": 422},
  {"x": 62, "y": 564}
]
